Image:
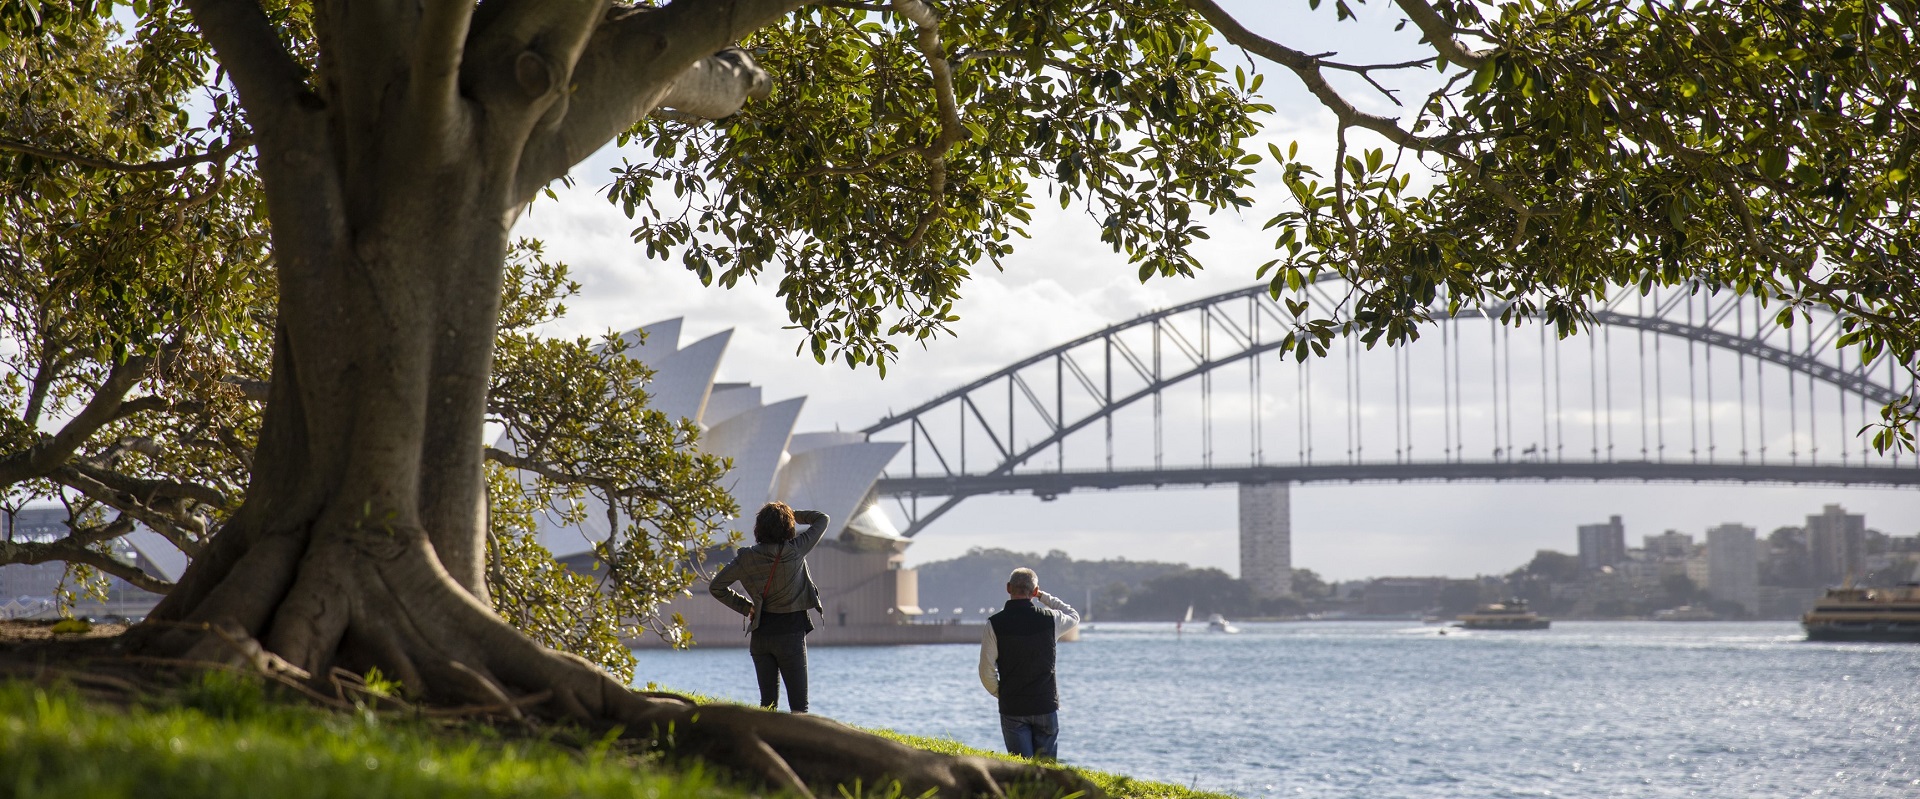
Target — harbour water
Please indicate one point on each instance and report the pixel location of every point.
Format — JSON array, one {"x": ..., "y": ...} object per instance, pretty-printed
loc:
[{"x": 1397, "y": 709}]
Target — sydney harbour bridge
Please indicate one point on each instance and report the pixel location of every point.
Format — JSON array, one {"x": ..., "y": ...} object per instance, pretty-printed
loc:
[{"x": 1675, "y": 385}]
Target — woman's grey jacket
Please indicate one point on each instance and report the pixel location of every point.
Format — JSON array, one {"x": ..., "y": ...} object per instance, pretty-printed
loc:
[{"x": 790, "y": 589}]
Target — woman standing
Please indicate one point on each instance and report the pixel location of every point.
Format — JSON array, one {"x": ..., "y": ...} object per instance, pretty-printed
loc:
[{"x": 780, "y": 592}]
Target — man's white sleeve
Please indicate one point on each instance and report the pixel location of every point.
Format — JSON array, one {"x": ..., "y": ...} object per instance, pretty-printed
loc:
[
  {"x": 1065, "y": 617},
  {"x": 989, "y": 654}
]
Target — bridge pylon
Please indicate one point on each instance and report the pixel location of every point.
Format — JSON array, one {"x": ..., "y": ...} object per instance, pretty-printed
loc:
[{"x": 1266, "y": 539}]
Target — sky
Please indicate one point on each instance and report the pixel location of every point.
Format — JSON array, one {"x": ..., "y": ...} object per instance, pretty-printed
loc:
[{"x": 1063, "y": 284}]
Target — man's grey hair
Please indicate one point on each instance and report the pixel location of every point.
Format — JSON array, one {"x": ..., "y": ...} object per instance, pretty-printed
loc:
[{"x": 1023, "y": 579}]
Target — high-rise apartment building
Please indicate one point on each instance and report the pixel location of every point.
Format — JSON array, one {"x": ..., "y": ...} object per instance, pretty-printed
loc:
[
  {"x": 1266, "y": 539},
  {"x": 1837, "y": 541},
  {"x": 1733, "y": 565},
  {"x": 1670, "y": 545},
  {"x": 1602, "y": 545}
]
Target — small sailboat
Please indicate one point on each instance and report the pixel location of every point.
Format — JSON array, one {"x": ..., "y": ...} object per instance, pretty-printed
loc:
[{"x": 1181, "y": 625}]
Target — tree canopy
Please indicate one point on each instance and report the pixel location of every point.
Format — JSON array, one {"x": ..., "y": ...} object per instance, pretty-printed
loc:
[{"x": 1762, "y": 148}]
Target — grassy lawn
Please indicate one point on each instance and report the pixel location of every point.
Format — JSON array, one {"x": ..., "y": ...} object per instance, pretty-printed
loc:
[{"x": 224, "y": 736}]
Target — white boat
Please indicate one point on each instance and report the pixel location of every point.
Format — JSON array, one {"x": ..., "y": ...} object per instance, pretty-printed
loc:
[{"x": 1217, "y": 623}]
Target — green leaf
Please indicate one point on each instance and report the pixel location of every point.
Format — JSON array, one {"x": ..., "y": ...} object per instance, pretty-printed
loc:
[{"x": 1483, "y": 77}]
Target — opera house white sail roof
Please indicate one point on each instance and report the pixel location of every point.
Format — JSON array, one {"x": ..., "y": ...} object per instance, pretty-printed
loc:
[{"x": 831, "y": 472}]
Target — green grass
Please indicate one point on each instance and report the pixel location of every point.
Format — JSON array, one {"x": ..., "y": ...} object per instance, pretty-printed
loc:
[
  {"x": 226, "y": 736},
  {"x": 1118, "y": 786}
]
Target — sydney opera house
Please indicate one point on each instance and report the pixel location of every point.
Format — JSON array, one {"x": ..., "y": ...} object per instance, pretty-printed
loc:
[{"x": 869, "y": 597}]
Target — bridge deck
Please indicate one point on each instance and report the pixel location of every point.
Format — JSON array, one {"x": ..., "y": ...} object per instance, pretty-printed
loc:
[{"x": 1053, "y": 483}]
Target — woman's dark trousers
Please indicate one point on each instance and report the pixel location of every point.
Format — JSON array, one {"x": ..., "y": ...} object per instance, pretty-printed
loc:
[{"x": 781, "y": 656}]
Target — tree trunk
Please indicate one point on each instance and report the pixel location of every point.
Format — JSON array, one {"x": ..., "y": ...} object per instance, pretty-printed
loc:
[{"x": 361, "y": 528}]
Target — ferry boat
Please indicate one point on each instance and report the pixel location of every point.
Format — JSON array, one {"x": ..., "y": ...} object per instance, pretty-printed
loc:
[
  {"x": 1509, "y": 615},
  {"x": 1866, "y": 614}
]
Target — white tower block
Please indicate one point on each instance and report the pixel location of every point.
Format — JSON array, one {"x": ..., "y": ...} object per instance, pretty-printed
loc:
[{"x": 1266, "y": 539}]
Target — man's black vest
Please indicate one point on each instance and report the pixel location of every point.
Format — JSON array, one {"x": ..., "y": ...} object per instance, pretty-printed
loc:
[{"x": 1025, "y": 637}]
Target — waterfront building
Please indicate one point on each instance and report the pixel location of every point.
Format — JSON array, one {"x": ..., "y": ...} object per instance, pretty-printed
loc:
[
  {"x": 1837, "y": 544},
  {"x": 1733, "y": 565},
  {"x": 1602, "y": 545}
]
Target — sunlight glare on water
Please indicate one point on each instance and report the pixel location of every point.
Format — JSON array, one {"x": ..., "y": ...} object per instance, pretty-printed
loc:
[{"x": 1396, "y": 709}]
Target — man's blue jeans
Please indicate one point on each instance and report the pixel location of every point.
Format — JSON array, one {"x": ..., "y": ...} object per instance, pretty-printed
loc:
[{"x": 1032, "y": 736}]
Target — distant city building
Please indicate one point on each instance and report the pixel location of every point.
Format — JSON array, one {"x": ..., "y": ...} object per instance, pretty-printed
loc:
[
  {"x": 1695, "y": 568},
  {"x": 1670, "y": 545},
  {"x": 1733, "y": 565},
  {"x": 1266, "y": 540},
  {"x": 1602, "y": 545},
  {"x": 1837, "y": 544}
]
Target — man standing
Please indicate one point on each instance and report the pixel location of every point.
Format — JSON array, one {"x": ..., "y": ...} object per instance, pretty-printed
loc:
[{"x": 1016, "y": 665}]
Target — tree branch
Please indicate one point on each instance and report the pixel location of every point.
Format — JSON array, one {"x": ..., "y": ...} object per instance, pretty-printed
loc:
[
  {"x": 541, "y": 468},
  {"x": 716, "y": 87},
  {"x": 270, "y": 81},
  {"x": 927, "y": 41},
  {"x": 53, "y": 451},
  {"x": 438, "y": 45},
  {"x": 1439, "y": 34},
  {"x": 69, "y": 550},
  {"x": 1365, "y": 71},
  {"x": 137, "y": 406},
  {"x": 147, "y": 491},
  {"x": 121, "y": 493},
  {"x": 216, "y": 155},
  {"x": 1307, "y": 68},
  {"x": 560, "y": 475},
  {"x": 632, "y": 61},
  {"x": 855, "y": 6}
]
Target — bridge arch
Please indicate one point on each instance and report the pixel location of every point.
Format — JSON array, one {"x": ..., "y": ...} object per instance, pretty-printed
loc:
[{"x": 1210, "y": 333}]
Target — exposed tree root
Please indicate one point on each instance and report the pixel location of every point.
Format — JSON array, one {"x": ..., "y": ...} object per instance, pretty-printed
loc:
[{"x": 358, "y": 600}]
